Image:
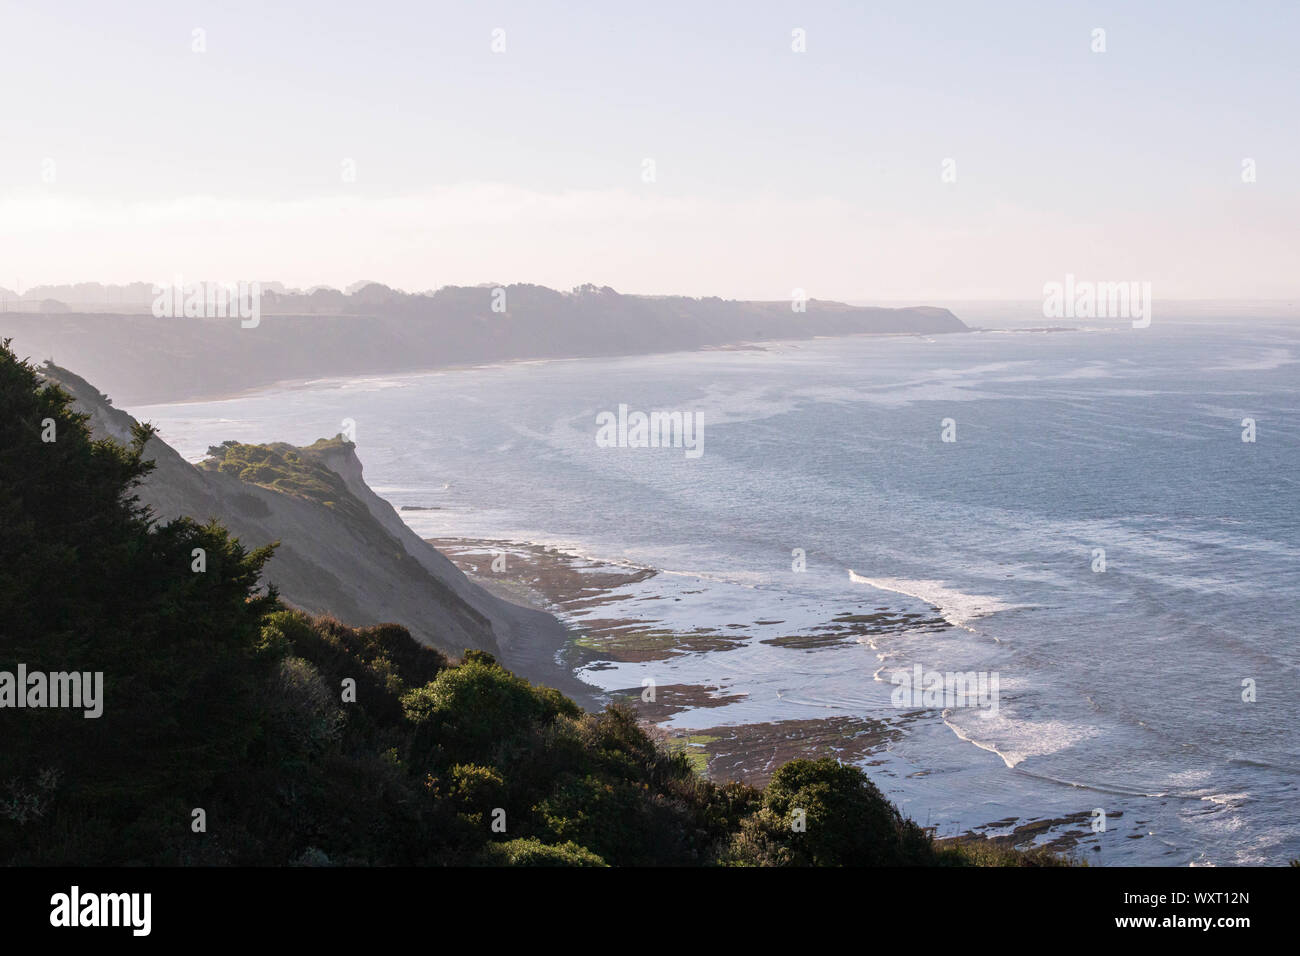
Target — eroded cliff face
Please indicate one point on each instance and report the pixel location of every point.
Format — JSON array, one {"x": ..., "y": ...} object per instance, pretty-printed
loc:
[{"x": 353, "y": 558}]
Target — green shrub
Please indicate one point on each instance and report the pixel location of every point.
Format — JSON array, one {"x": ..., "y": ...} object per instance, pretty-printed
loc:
[
  {"x": 477, "y": 791},
  {"x": 472, "y": 710},
  {"x": 529, "y": 851},
  {"x": 824, "y": 813}
]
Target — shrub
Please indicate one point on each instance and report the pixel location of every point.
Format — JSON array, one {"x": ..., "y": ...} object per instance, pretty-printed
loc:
[
  {"x": 468, "y": 712},
  {"x": 529, "y": 851},
  {"x": 824, "y": 813}
]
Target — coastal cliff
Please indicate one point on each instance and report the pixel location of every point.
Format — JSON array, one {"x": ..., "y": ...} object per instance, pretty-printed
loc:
[{"x": 343, "y": 550}]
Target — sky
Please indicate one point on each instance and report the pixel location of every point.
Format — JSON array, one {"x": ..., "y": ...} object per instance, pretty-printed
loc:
[{"x": 911, "y": 151}]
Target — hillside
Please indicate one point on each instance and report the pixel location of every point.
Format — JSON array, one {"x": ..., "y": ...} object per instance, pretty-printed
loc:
[
  {"x": 141, "y": 359},
  {"x": 343, "y": 550}
]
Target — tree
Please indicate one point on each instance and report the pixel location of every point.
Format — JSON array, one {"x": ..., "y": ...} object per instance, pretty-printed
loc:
[{"x": 90, "y": 583}]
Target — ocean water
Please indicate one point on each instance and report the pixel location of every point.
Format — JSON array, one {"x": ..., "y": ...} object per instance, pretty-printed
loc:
[{"x": 1119, "y": 690}]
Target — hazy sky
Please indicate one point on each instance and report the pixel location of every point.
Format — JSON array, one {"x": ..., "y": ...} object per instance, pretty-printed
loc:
[{"x": 127, "y": 155}]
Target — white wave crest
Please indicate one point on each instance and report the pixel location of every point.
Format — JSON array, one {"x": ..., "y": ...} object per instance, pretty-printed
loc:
[{"x": 955, "y": 607}]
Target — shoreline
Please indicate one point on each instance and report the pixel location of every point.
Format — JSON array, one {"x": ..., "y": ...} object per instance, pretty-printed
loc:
[
  {"x": 573, "y": 588},
  {"x": 295, "y": 384},
  {"x": 586, "y": 595}
]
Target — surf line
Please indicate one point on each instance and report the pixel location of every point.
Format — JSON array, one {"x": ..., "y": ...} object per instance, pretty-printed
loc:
[{"x": 933, "y": 593}]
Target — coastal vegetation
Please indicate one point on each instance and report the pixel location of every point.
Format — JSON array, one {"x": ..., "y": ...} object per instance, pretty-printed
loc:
[
  {"x": 284, "y": 468},
  {"x": 237, "y": 730}
]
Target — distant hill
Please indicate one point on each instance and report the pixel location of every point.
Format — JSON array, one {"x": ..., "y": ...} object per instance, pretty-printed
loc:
[
  {"x": 378, "y": 330},
  {"x": 343, "y": 550}
]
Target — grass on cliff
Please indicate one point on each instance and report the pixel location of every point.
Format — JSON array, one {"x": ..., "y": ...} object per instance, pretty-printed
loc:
[{"x": 288, "y": 470}]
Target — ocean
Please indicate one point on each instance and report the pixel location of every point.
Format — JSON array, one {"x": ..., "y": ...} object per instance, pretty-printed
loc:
[{"x": 1096, "y": 534}]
